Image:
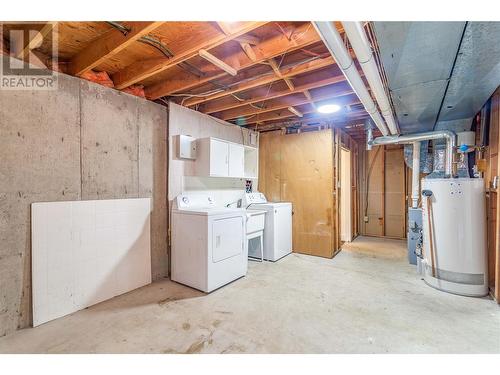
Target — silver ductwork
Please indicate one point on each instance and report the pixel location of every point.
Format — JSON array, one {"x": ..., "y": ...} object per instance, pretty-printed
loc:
[
  {"x": 415, "y": 139},
  {"x": 449, "y": 136}
]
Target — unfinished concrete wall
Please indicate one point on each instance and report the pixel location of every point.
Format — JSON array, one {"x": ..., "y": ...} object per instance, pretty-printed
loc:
[{"x": 82, "y": 141}]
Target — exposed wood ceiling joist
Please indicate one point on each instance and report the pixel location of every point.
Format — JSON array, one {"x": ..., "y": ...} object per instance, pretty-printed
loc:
[
  {"x": 303, "y": 36},
  {"x": 289, "y": 101},
  {"x": 307, "y": 67},
  {"x": 108, "y": 46},
  {"x": 212, "y": 108},
  {"x": 143, "y": 69},
  {"x": 265, "y": 73},
  {"x": 36, "y": 40}
]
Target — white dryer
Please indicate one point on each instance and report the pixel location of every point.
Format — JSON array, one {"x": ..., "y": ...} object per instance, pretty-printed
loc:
[
  {"x": 278, "y": 225},
  {"x": 208, "y": 243}
]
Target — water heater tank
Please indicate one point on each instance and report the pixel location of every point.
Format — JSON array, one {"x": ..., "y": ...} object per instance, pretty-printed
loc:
[{"x": 458, "y": 228}]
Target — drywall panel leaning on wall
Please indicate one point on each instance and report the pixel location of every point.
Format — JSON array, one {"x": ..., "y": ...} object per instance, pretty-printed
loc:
[{"x": 85, "y": 252}]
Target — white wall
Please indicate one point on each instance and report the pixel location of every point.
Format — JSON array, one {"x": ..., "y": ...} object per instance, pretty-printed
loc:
[{"x": 181, "y": 177}]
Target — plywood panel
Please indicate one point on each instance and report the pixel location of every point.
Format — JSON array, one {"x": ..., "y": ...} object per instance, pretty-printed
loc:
[
  {"x": 307, "y": 182},
  {"x": 270, "y": 165},
  {"x": 374, "y": 192},
  {"x": 84, "y": 252},
  {"x": 382, "y": 185},
  {"x": 395, "y": 204}
]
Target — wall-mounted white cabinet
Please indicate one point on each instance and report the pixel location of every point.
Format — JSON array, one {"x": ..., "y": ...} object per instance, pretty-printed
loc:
[{"x": 219, "y": 158}]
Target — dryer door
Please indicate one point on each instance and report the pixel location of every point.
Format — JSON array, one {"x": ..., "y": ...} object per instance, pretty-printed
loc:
[{"x": 227, "y": 238}]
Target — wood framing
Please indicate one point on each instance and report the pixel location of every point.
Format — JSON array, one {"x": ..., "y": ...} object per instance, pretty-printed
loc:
[
  {"x": 108, "y": 46},
  {"x": 144, "y": 69},
  {"x": 251, "y": 72}
]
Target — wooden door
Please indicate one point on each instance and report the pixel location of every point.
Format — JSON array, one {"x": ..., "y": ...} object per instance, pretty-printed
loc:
[{"x": 306, "y": 169}]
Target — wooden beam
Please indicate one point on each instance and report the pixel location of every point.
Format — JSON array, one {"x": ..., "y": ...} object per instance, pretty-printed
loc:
[
  {"x": 248, "y": 39},
  {"x": 238, "y": 112},
  {"x": 247, "y": 48},
  {"x": 308, "y": 95},
  {"x": 36, "y": 40},
  {"x": 226, "y": 29},
  {"x": 288, "y": 72},
  {"x": 141, "y": 70},
  {"x": 216, "y": 107},
  {"x": 276, "y": 70},
  {"x": 217, "y": 62},
  {"x": 284, "y": 113},
  {"x": 107, "y": 46},
  {"x": 262, "y": 126},
  {"x": 295, "y": 111},
  {"x": 303, "y": 36}
]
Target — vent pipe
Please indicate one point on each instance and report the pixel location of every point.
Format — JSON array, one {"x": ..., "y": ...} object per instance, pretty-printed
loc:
[
  {"x": 449, "y": 136},
  {"x": 362, "y": 48},
  {"x": 333, "y": 41}
]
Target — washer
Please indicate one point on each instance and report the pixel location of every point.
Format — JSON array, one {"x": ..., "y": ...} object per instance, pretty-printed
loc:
[
  {"x": 278, "y": 225},
  {"x": 208, "y": 242}
]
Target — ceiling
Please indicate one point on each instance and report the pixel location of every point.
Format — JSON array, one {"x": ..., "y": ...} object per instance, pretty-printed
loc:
[
  {"x": 279, "y": 72},
  {"x": 439, "y": 74}
]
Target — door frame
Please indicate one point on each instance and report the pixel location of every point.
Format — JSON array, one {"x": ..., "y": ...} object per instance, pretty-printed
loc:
[{"x": 345, "y": 224}]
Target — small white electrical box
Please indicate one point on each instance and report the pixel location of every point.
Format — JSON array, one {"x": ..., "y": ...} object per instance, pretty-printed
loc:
[
  {"x": 252, "y": 138},
  {"x": 185, "y": 146}
]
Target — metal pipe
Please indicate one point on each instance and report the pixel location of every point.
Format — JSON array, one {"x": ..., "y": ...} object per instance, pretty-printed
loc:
[
  {"x": 362, "y": 48},
  {"x": 415, "y": 177},
  {"x": 369, "y": 134},
  {"x": 333, "y": 41},
  {"x": 449, "y": 136}
]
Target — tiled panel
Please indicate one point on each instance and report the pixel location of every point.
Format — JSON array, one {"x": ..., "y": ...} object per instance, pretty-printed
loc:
[{"x": 84, "y": 252}]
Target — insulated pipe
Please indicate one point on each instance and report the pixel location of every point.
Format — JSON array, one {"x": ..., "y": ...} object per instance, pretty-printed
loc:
[
  {"x": 369, "y": 134},
  {"x": 333, "y": 41},
  {"x": 415, "y": 177},
  {"x": 361, "y": 46},
  {"x": 451, "y": 142}
]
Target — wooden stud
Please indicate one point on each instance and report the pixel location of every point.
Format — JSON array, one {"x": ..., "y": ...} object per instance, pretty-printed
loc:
[
  {"x": 217, "y": 62},
  {"x": 216, "y": 107},
  {"x": 303, "y": 36},
  {"x": 249, "y": 110},
  {"x": 248, "y": 39},
  {"x": 226, "y": 29},
  {"x": 108, "y": 46},
  {"x": 295, "y": 111},
  {"x": 141, "y": 70},
  {"x": 278, "y": 73}
]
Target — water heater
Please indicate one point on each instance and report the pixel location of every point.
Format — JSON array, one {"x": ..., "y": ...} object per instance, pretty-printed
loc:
[{"x": 454, "y": 235}]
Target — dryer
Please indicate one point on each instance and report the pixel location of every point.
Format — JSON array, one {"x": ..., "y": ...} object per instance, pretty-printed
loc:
[
  {"x": 208, "y": 243},
  {"x": 277, "y": 228}
]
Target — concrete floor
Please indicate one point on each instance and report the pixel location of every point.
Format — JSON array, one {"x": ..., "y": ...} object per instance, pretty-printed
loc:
[{"x": 365, "y": 300}]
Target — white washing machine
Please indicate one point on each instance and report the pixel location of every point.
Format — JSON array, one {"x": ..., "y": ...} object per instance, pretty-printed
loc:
[
  {"x": 208, "y": 243},
  {"x": 277, "y": 228}
]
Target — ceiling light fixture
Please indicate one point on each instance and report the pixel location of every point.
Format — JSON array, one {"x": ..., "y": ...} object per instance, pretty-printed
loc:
[{"x": 328, "y": 108}]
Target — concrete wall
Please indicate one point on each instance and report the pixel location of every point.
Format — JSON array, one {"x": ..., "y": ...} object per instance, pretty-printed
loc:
[{"x": 82, "y": 141}]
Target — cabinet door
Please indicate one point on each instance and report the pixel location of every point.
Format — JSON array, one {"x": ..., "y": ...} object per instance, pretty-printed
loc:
[
  {"x": 219, "y": 158},
  {"x": 236, "y": 160}
]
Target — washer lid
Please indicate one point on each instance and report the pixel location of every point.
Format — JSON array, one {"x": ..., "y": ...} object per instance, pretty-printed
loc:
[
  {"x": 211, "y": 211},
  {"x": 268, "y": 205}
]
